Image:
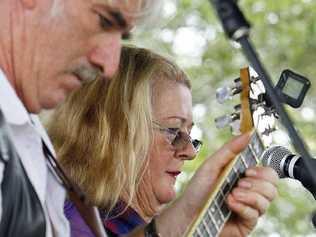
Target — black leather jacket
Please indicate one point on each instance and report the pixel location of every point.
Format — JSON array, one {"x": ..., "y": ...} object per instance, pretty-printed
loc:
[{"x": 22, "y": 213}]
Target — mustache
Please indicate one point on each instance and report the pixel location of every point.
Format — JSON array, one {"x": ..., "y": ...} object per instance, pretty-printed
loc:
[{"x": 87, "y": 74}]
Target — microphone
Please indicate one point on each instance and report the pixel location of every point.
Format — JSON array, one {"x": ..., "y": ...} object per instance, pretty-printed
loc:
[
  {"x": 288, "y": 165},
  {"x": 233, "y": 21}
]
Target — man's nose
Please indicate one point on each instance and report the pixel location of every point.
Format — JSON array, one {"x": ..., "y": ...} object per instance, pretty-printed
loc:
[{"x": 106, "y": 54}]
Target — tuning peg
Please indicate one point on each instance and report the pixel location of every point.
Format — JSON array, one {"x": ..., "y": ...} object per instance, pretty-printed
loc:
[
  {"x": 237, "y": 108},
  {"x": 227, "y": 92},
  {"x": 254, "y": 79},
  {"x": 226, "y": 120},
  {"x": 269, "y": 111},
  {"x": 268, "y": 131}
]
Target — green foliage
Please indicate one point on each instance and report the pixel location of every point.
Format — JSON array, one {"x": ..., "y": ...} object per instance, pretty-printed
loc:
[{"x": 284, "y": 33}]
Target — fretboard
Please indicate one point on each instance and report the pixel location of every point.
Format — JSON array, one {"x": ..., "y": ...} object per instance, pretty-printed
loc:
[{"x": 215, "y": 214}]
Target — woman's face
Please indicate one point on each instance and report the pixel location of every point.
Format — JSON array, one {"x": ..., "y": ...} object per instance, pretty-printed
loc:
[{"x": 172, "y": 108}]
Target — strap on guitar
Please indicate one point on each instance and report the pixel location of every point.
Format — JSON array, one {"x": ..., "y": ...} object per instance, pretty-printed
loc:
[{"x": 89, "y": 213}]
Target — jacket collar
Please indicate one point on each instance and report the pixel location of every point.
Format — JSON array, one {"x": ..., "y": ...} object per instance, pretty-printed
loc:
[{"x": 12, "y": 107}]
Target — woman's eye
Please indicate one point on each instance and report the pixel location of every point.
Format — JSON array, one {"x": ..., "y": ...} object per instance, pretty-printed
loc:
[
  {"x": 105, "y": 23},
  {"x": 126, "y": 36},
  {"x": 174, "y": 130}
]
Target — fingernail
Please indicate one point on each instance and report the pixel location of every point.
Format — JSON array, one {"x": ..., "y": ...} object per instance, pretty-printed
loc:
[
  {"x": 251, "y": 172},
  {"x": 246, "y": 134},
  {"x": 239, "y": 195},
  {"x": 244, "y": 184}
]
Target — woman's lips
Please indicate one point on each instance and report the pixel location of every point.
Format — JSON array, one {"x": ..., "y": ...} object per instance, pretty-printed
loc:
[{"x": 174, "y": 173}]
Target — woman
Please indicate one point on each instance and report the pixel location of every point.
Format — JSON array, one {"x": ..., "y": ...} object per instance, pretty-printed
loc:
[{"x": 125, "y": 141}]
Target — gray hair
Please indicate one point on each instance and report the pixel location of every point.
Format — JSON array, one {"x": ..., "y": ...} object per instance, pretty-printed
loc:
[{"x": 148, "y": 10}]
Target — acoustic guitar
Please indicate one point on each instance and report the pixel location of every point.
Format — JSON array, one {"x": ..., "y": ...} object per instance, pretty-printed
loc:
[{"x": 252, "y": 114}]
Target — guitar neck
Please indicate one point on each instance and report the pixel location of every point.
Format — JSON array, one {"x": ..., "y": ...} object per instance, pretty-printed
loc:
[{"x": 215, "y": 213}]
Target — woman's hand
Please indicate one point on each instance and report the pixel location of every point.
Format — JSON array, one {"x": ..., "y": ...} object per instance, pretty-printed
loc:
[{"x": 249, "y": 200}]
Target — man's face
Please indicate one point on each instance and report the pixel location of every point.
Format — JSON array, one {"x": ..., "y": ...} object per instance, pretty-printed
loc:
[{"x": 76, "y": 41}]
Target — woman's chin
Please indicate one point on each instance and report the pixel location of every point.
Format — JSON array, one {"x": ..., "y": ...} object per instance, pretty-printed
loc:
[{"x": 168, "y": 196}]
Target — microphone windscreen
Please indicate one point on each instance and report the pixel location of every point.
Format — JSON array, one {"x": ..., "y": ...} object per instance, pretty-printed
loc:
[{"x": 273, "y": 158}]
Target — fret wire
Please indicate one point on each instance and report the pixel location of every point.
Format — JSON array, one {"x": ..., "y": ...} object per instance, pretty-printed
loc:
[
  {"x": 243, "y": 161},
  {"x": 212, "y": 226},
  {"x": 206, "y": 228},
  {"x": 253, "y": 152},
  {"x": 236, "y": 172},
  {"x": 250, "y": 157},
  {"x": 219, "y": 217},
  {"x": 202, "y": 228},
  {"x": 234, "y": 177},
  {"x": 226, "y": 210},
  {"x": 208, "y": 217},
  {"x": 218, "y": 206},
  {"x": 240, "y": 167},
  {"x": 215, "y": 224},
  {"x": 231, "y": 178},
  {"x": 196, "y": 234},
  {"x": 203, "y": 231},
  {"x": 257, "y": 146},
  {"x": 199, "y": 232},
  {"x": 219, "y": 220},
  {"x": 256, "y": 143},
  {"x": 226, "y": 186},
  {"x": 254, "y": 157},
  {"x": 224, "y": 196}
]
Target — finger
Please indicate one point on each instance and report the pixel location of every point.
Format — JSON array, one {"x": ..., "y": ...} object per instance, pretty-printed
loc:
[
  {"x": 251, "y": 199},
  {"x": 265, "y": 173},
  {"x": 228, "y": 151},
  {"x": 244, "y": 211},
  {"x": 262, "y": 187}
]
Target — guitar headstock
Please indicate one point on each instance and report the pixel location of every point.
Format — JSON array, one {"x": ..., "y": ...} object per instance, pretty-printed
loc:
[{"x": 253, "y": 110}]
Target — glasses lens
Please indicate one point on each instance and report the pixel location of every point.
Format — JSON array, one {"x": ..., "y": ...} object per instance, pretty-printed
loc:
[
  {"x": 197, "y": 144},
  {"x": 179, "y": 141},
  {"x": 182, "y": 139}
]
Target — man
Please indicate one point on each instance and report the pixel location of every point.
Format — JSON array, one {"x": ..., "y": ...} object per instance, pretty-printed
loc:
[{"x": 47, "y": 49}]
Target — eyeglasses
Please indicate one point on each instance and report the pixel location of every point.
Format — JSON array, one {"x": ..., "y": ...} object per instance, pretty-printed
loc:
[{"x": 179, "y": 139}]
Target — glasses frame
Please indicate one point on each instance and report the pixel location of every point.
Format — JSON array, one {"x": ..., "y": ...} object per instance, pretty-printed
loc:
[{"x": 185, "y": 138}]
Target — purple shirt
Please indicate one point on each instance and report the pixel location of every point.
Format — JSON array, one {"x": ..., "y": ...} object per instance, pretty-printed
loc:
[
  {"x": 117, "y": 222},
  {"x": 78, "y": 227}
]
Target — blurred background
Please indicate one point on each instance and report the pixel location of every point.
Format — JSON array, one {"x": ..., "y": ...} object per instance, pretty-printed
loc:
[{"x": 284, "y": 33}]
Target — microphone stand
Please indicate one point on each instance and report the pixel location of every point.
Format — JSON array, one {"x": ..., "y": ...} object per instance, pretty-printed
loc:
[{"x": 237, "y": 28}]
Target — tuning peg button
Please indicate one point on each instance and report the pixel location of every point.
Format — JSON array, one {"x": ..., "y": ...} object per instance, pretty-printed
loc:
[
  {"x": 223, "y": 94},
  {"x": 223, "y": 121},
  {"x": 226, "y": 120},
  {"x": 227, "y": 92}
]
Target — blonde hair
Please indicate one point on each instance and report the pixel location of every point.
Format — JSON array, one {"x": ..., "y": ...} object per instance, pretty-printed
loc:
[{"x": 103, "y": 131}]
